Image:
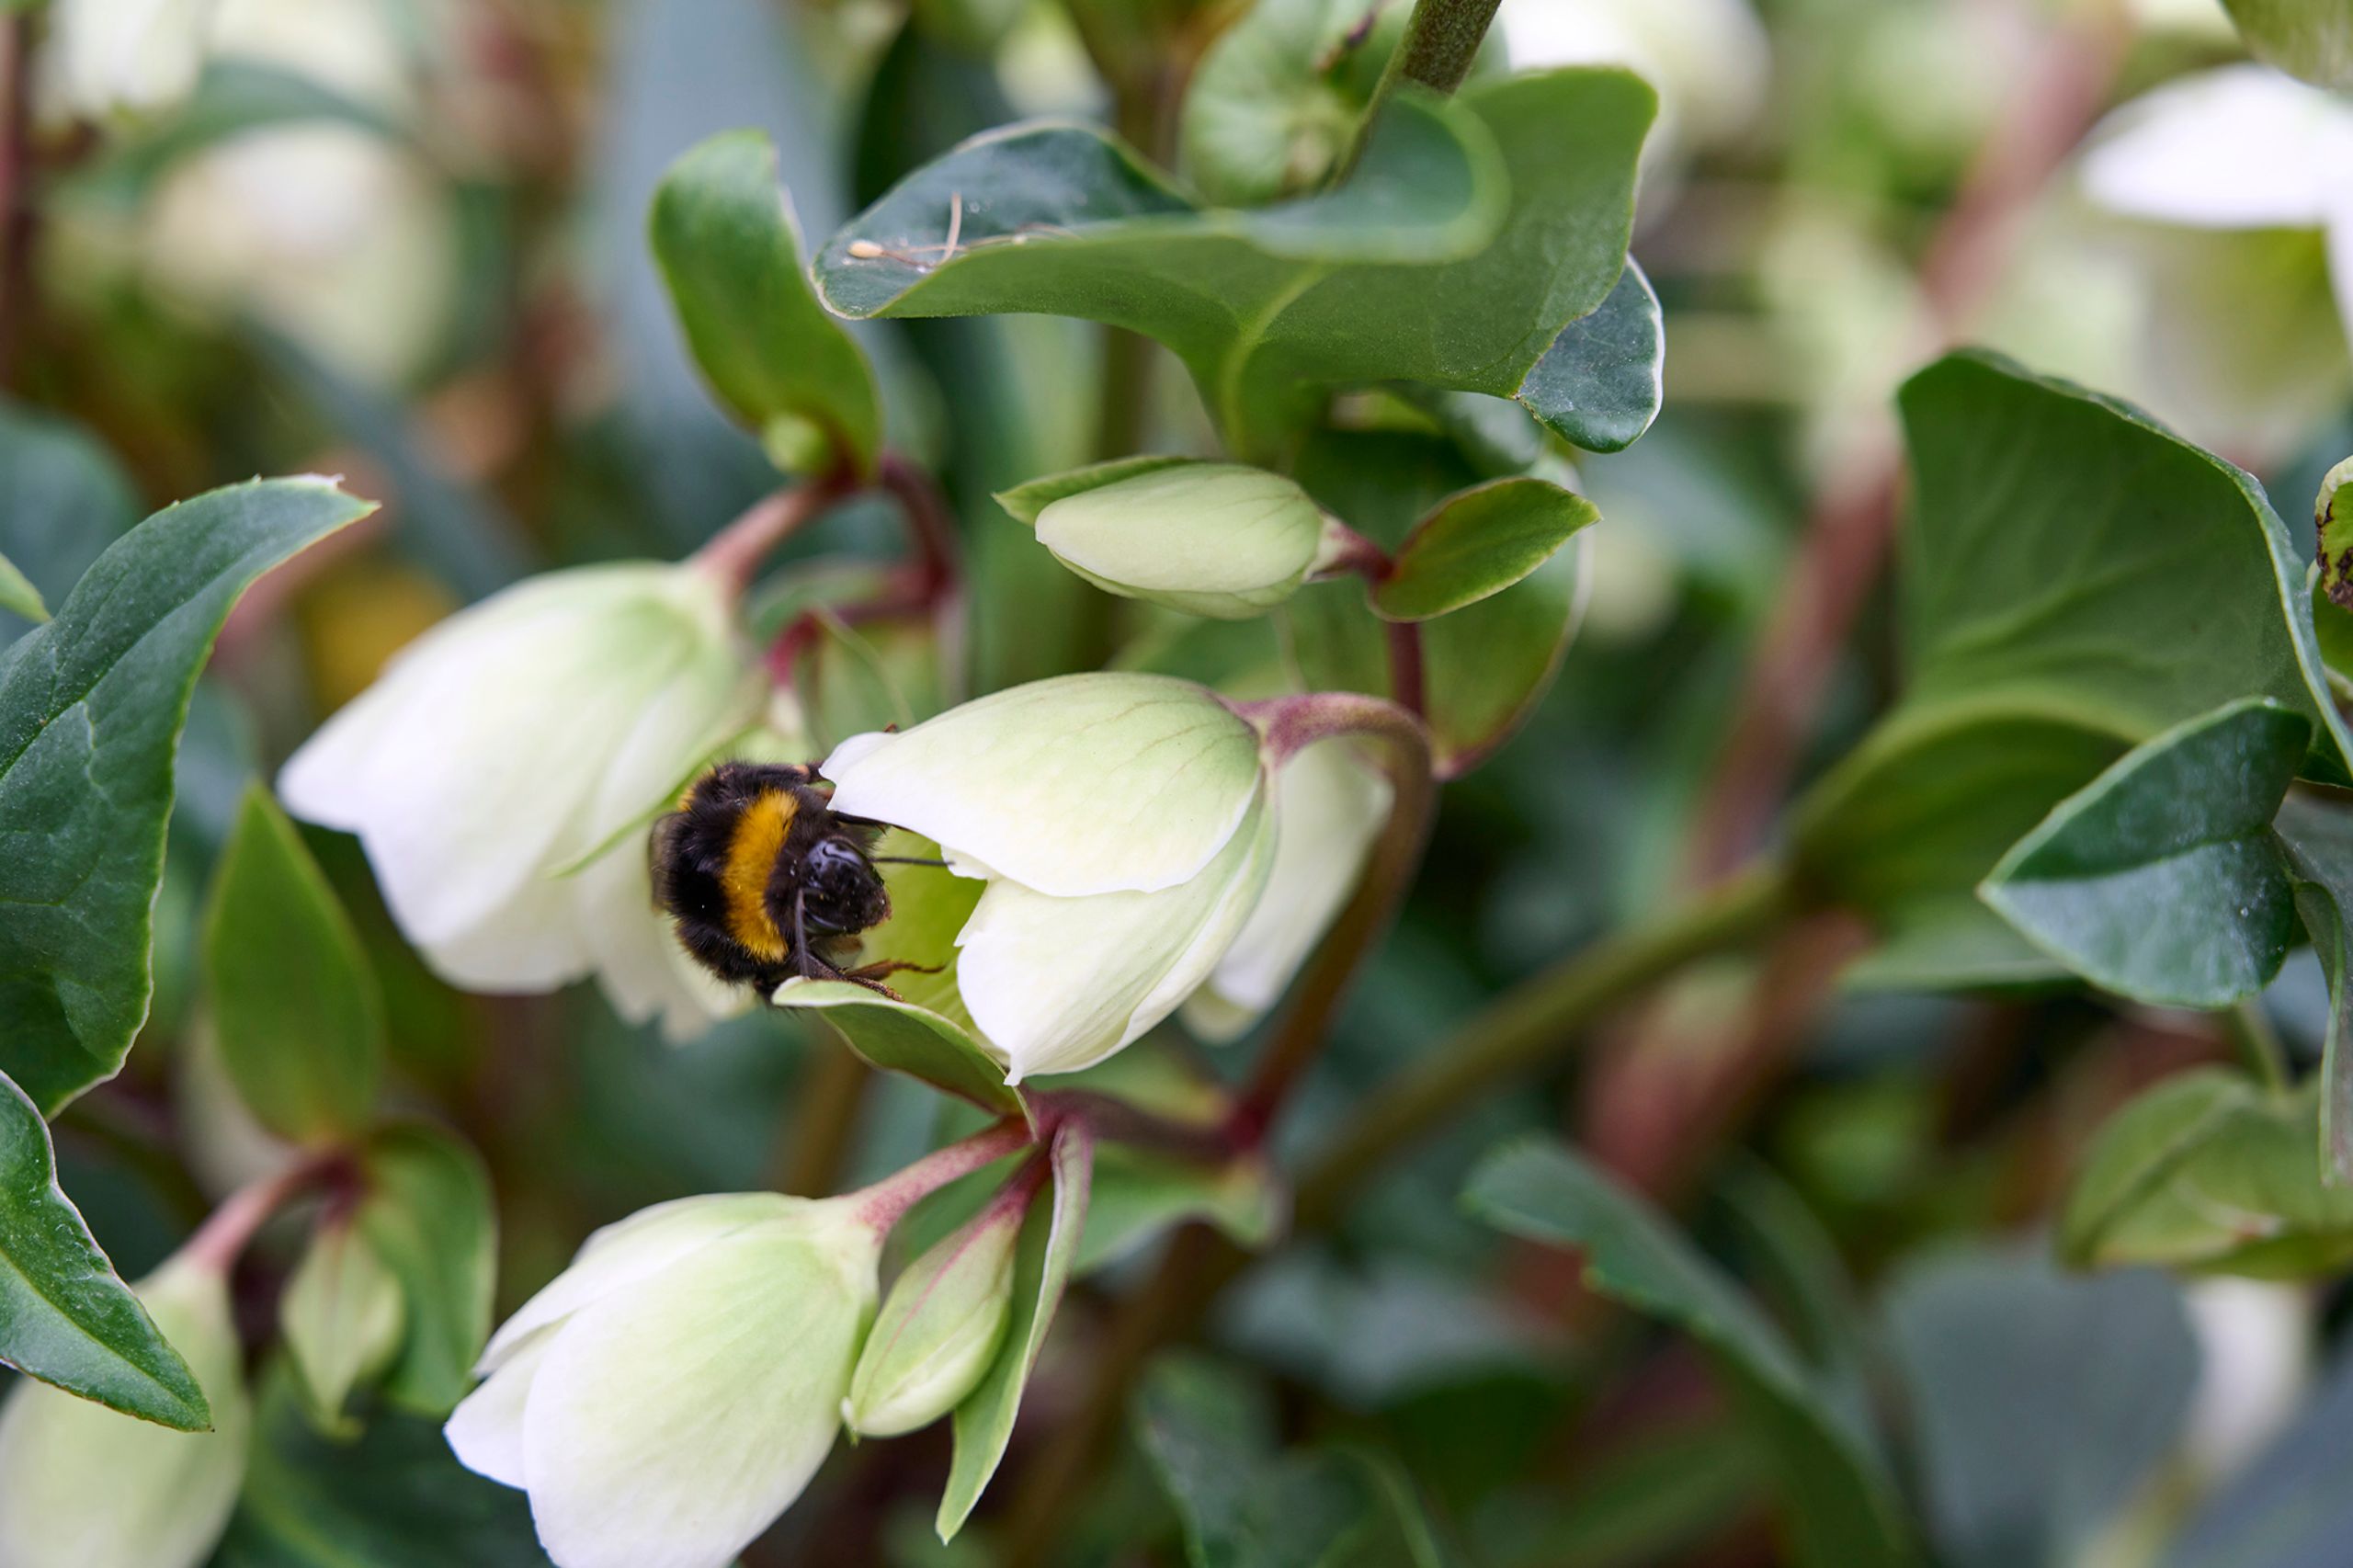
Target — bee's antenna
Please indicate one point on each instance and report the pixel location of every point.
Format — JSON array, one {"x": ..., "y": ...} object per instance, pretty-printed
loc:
[{"x": 907, "y": 861}]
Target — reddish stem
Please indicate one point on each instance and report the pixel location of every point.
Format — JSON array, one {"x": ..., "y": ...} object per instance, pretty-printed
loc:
[
  {"x": 883, "y": 1205},
  {"x": 230, "y": 1228},
  {"x": 1405, "y": 679},
  {"x": 734, "y": 553}
]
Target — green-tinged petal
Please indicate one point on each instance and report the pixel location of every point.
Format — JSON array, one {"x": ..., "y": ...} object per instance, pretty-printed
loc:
[
  {"x": 1059, "y": 983},
  {"x": 487, "y": 1429},
  {"x": 1218, "y": 539},
  {"x": 1079, "y": 785}
]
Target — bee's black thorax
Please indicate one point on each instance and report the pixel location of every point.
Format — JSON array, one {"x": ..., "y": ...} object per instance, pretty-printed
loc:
[{"x": 763, "y": 879}]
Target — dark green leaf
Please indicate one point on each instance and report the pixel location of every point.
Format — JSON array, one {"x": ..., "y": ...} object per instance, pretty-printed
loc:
[
  {"x": 65, "y": 1318},
  {"x": 1209, "y": 1433},
  {"x": 1270, "y": 307},
  {"x": 1488, "y": 665},
  {"x": 2210, "y": 1171},
  {"x": 62, "y": 499},
  {"x": 394, "y": 1498},
  {"x": 427, "y": 1216},
  {"x": 294, "y": 1004},
  {"x": 1477, "y": 544},
  {"x": 2290, "y": 1508},
  {"x": 2316, "y": 833},
  {"x": 1843, "y": 1509},
  {"x": 724, "y": 238},
  {"x": 91, "y": 705},
  {"x": 17, "y": 596},
  {"x": 2159, "y": 879},
  {"x": 2042, "y": 1403},
  {"x": 983, "y": 1423},
  {"x": 1600, "y": 384},
  {"x": 2074, "y": 580}
]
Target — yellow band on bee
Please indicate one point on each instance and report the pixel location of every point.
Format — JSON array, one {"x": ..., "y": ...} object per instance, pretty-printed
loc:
[{"x": 752, "y": 852}]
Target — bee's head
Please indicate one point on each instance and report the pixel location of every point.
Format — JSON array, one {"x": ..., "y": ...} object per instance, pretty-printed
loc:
[{"x": 844, "y": 894}]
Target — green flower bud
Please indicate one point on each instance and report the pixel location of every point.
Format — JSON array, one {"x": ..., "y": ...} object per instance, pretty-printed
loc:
[
  {"x": 341, "y": 1316},
  {"x": 82, "y": 1484},
  {"x": 1218, "y": 539},
  {"x": 940, "y": 1325}
]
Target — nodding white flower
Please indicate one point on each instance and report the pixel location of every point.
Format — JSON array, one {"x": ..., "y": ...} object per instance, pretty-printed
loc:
[
  {"x": 1122, "y": 825},
  {"x": 128, "y": 57},
  {"x": 82, "y": 1484},
  {"x": 502, "y": 769},
  {"x": 2241, "y": 147},
  {"x": 671, "y": 1392},
  {"x": 1328, "y": 808}
]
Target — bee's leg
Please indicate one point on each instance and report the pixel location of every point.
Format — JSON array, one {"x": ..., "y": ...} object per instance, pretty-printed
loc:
[
  {"x": 810, "y": 962},
  {"x": 872, "y": 975}
]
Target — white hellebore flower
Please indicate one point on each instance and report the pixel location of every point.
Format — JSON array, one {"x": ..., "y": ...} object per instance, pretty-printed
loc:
[
  {"x": 83, "y": 1485},
  {"x": 126, "y": 57},
  {"x": 2242, "y": 147},
  {"x": 671, "y": 1392},
  {"x": 499, "y": 771},
  {"x": 1122, "y": 825}
]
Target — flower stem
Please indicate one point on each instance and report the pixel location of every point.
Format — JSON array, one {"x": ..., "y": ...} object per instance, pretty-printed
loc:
[
  {"x": 230, "y": 1229},
  {"x": 1534, "y": 1022},
  {"x": 2257, "y": 1043},
  {"x": 928, "y": 526},
  {"x": 734, "y": 554},
  {"x": 885, "y": 1203},
  {"x": 1443, "y": 37}
]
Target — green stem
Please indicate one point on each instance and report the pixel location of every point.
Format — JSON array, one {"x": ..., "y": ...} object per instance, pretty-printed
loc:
[
  {"x": 1529, "y": 1025},
  {"x": 1443, "y": 37},
  {"x": 2257, "y": 1043}
]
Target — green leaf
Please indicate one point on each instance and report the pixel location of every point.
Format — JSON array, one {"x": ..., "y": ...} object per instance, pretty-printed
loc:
[
  {"x": 1140, "y": 1194},
  {"x": 1488, "y": 665},
  {"x": 1843, "y": 1507},
  {"x": 724, "y": 238},
  {"x": 2160, "y": 880},
  {"x": 294, "y": 1004},
  {"x": 1601, "y": 382},
  {"x": 2311, "y": 38},
  {"x": 1209, "y": 1432},
  {"x": 341, "y": 1316},
  {"x": 2074, "y": 580},
  {"x": 2209, "y": 1171},
  {"x": 427, "y": 1217},
  {"x": 1270, "y": 110},
  {"x": 1024, "y": 502},
  {"x": 91, "y": 705},
  {"x": 1477, "y": 544},
  {"x": 392, "y": 1497},
  {"x": 62, "y": 500},
  {"x": 2314, "y": 829},
  {"x": 1270, "y": 308},
  {"x": 2043, "y": 1403},
  {"x": 983, "y": 1423},
  {"x": 65, "y": 1317},
  {"x": 18, "y": 595}
]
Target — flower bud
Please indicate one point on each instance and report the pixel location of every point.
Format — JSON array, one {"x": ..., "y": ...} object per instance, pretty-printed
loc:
[
  {"x": 940, "y": 1325},
  {"x": 85, "y": 1485},
  {"x": 497, "y": 772},
  {"x": 341, "y": 1315},
  {"x": 670, "y": 1393},
  {"x": 1124, "y": 835},
  {"x": 1218, "y": 539}
]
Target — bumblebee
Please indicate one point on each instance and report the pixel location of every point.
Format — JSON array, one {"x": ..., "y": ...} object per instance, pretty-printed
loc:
[{"x": 764, "y": 880}]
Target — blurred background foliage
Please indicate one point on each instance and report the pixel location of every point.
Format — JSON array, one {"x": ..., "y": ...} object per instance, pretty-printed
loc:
[{"x": 404, "y": 241}]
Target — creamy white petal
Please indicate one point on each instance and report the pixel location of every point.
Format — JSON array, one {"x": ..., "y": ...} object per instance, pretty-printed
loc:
[
  {"x": 670, "y": 1424},
  {"x": 2242, "y": 147},
  {"x": 643, "y": 971},
  {"x": 1059, "y": 983},
  {"x": 487, "y": 1429},
  {"x": 642, "y": 1246},
  {"x": 2340, "y": 258},
  {"x": 1329, "y": 806},
  {"x": 123, "y": 56},
  {"x": 84, "y": 1486},
  {"x": 1079, "y": 785}
]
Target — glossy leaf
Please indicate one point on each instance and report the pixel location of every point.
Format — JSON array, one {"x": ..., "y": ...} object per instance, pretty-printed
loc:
[
  {"x": 294, "y": 1004},
  {"x": 1269, "y": 307},
  {"x": 65, "y": 1316},
  {"x": 1244, "y": 1504},
  {"x": 724, "y": 238},
  {"x": 1478, "y": 544},
  {"x": 1843, "y": 1507},
  {"x": 983, "y": 1423},
  {"x": 392, "y": 1497},
  {"x": 2074, "y": 580},
  {"x": 100, "y": 692},
  {"x": 2160, "y": 880},
  {"x": 1601, "y": 382},
  {"x": 2042, "y": 1403},
  {"x": 2314, "y": 829},
  {"x": 18, "y": 595},
  {"x": 2210, "y": 1171},
  {"x": 427, "y": 1217}
]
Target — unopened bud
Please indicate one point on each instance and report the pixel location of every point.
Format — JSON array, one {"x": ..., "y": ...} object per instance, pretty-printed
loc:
[{"x": 940, "y": 1327}]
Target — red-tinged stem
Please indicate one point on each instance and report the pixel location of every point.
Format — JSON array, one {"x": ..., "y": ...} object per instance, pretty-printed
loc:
[
  {"x": 734, "y": 553},
  {"x": 883, "y": 1205},
  {"x": 1405, "y": 679},
  {"x": 230, "y": 1228},
  {"x": 929, "y": 525}
]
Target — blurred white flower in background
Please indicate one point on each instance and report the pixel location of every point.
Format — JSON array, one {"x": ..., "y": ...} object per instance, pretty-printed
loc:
[
  {"x": 115, "y": 58},
  {"x": 2255, "y": 1342},
  {"x": 500, "y": 773},
  {"x": 1710, "y": 60}
]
